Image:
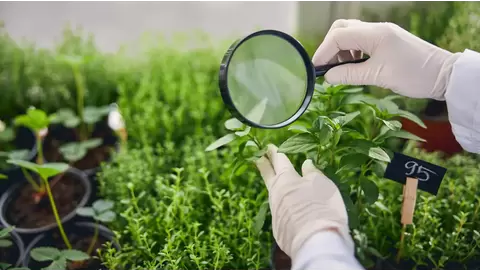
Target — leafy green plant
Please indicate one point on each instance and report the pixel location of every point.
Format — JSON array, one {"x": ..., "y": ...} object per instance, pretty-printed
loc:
[
  {"x": 5, "y": 237},
  {"x": 87, "y": 116},
  {"x": 101, "y": 211},
  {"x": 344, "y": 132},
  {"x": 58, "y": 258}
]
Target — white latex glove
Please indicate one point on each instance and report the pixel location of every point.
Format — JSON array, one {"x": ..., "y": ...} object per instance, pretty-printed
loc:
[
  {"x": 399, "y": 60},
  {"x": 301, "y": 206}
]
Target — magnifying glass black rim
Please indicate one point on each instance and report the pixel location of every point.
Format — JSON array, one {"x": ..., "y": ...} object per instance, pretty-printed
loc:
[{"x": 223, "y": 81}]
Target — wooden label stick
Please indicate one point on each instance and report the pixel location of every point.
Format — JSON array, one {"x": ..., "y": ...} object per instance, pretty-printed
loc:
[{"x": 409, "y": 199}]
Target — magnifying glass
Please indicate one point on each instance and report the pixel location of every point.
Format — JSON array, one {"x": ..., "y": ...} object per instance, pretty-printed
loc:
[{"x": 267, "y": 79}]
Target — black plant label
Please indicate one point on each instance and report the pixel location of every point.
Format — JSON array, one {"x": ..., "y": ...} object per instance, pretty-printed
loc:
[{"x": 429, "y": 176}]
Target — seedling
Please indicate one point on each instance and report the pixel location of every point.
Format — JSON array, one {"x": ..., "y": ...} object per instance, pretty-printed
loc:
[
  {"x": 344, "y": 132},
  {"x": 58, "y": 258},
  {"x": 75, "y": 151},
  {"x": 86, "y": 117},
  {"x": 101, "y": 211}
]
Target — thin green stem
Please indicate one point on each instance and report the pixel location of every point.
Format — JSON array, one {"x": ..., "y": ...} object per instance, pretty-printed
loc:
[
  {"x": 38, "y": 140},
  {"x": 80, "y": 100},
  {"x": 57, "y": 217},
  {"x": 94, "y": 240},
  {"x": 31, "y": 180}
]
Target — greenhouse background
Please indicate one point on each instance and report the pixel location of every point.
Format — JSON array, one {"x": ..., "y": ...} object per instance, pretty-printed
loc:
[{"x": 123, "y": 98}]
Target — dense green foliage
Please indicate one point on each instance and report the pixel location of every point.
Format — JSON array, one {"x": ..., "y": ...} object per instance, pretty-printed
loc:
[{"x": 180, "y": 207}]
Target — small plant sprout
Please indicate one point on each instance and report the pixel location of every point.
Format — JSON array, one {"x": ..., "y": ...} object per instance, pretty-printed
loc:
[
  {"x": 87, "y": 116},
  {"x": 4, "y": 237},
  {"x": 37, "y": 121},
  {"x": 58, "y": 258},
  {"x": 101, "y": 211},
  {"x": 45, "y": 171}
]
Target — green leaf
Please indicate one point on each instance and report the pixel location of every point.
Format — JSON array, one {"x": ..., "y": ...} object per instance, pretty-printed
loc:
[
  {"x": 18, "y": 154},
  {"x": 234, "y": 124},
  {"x": 5, "y": 243},
  {"x": 361, "y": 145},
  {"x": 66, "y": 117},
  {"x": 354, "y": 160},
  {"x": 2, "y": 176},
  {"x": 256, "y": 114},
  {"x": 94, "y": 114},
  {"x": 379, "y": 154},
  {"x": 59, "y": 264},
  {"x": 73, "y": 151},
  {"x": 298, "y": 143},
  {"x": 5, "y": 232},
  {"x": 92, "y": 143},
  {"x": 260, "y": 217},
  {"x": 41, "y": 254},
  {"x": 7, "y": 135},
  {"x": 411, "y": 117},
  {"x": 220, "y": 142},
  {"x": 382, "y": 207},
  {"x": 394, "y": 125},
  {"x": 107, "y": 216},
  {"x": 5, "y": 266},
  {"x": 324, "y": 134},
  {"x": 405, "y": 135},
  {"x": 102, "y": 205},
  {"x": 320, "y": 88},
  {"x": 370, "y": 190},
  {"x": 343, "y": 120},
  {"x": 379, "y": 168},
  {"x": 75, "y": 255},
  {"x": 244, "y": 132},
  {"x": 298, "y": 128},
  {"x": 337, "y": 136},
  {"x": 352, "y": 90},
  {"x": 86, "y": 211},
  {"x": 34, "y": 119},
  {"x": 25, "y": 164}
]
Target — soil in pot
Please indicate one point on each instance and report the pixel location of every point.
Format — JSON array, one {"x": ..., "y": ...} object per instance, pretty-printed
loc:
[
  {"x": 31, "y": 212},
  {"x": 13, "y": 254},
  {"x": 59, "y": 135},
  {"x": 80, "y": 235}
]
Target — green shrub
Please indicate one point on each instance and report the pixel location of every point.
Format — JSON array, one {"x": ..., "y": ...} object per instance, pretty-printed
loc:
[{"x": 445, "y": 230}]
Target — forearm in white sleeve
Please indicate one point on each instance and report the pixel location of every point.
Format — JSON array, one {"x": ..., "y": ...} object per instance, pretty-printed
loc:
[
  {"x": 325, "y": 251},
  {"x": 463, "y": 100}
]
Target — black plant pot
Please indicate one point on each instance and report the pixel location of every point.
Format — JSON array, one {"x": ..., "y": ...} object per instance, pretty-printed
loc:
[
  {"x": 59, "y": 135},
  {"x": 24, "y": 139},
  {"x": 75, "y": 232},
  {"x": 72, "y": 175},
  {"x": 14, "y": 254}
]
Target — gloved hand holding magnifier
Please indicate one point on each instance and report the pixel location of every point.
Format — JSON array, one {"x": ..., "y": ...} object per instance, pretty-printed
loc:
[{"x": 267, "y": 79}]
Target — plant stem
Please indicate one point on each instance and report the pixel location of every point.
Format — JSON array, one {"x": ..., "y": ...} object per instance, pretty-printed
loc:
[
  {"x": 402, "y": 239},
  {"x": 31, "y": 180},
  {"x": 57, "y": 217},
  {"x": 38, "y": 139},
  {"x": 94, "y": 240},
  {"x": 80, "y": 99}
]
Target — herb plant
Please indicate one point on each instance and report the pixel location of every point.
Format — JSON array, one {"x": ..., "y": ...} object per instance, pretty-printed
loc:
[
  {"x": 344, "y": 132},
  {"x": 101, "y": 211}
]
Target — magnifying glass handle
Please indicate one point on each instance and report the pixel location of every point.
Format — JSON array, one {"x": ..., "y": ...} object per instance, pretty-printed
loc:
[{"x": 322, "y": 70}]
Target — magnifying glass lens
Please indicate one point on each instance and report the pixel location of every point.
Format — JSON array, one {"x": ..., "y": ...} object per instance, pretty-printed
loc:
[{"x": 267, "y": 79}]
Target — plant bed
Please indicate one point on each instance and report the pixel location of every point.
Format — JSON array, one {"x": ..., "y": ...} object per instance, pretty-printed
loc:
[
  {"x": 12, "y": 249},
  {"x": 80, "y": 235},
  {"x": 30, "y": 211},
  {"x": 60, "y": 136}
]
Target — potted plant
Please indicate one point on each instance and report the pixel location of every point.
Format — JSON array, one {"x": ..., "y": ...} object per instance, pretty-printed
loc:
[
  {"x": 87, "y": 123},
  {"x": 86, "y": 237},
  {"x": 15, "y": 143},
  {"x": 344, "y": 132},
  {"x": 12, "y": 249},
  {"x": 40, "y": 203}
]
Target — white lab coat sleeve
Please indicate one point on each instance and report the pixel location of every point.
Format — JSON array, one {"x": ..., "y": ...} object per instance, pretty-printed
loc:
[
  {"x": 463, "y": 100},
  {"x": 325, "y": 251}
]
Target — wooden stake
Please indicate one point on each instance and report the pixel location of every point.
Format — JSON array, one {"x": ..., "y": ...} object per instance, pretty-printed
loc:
[
  {"x": 408, "y": 208},
  {"x": 409, "y": 199}
]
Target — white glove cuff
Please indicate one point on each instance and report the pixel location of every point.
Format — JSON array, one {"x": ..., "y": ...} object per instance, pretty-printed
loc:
[{"x": 314, "y": 227}]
